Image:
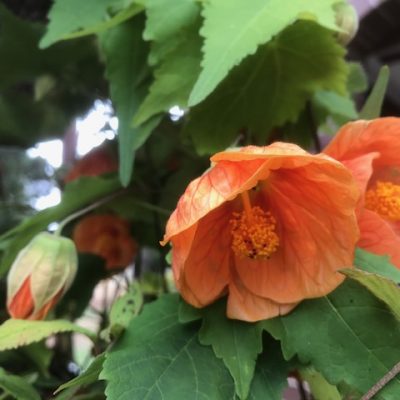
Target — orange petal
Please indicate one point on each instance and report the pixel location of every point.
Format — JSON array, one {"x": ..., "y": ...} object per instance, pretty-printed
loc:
[
  {"x": 219, "y": 184},
  {"x": 378, "y": 236},
  {"x": 247, "y": 306},
  {"x": 204, "y": 270},
  {"x": 355, "y": 139},
  {"x": 314, "y": 206},
  {"x": 236, "y": 171},
  {"x": 21, "y": 305}
]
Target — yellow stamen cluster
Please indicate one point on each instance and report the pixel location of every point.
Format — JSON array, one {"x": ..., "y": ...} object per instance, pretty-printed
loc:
[
  {"x": 254, "y": 233},
  {"x": 384, "y": 199}
]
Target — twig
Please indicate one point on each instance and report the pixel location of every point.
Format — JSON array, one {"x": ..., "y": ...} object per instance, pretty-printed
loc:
[{"x": 382, "y": 382}]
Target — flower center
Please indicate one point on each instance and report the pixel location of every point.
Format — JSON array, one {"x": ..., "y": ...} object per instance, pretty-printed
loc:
[
  {"x": 384, "y": 199},
  {"x": 253, "y": 231}
]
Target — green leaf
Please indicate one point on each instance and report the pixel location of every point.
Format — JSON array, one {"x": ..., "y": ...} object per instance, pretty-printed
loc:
[
  {"x": 128, "y": 74},
  {"x": 383, "y": 288},
  {"x": 376, "y": 264},
  {"x": 161, "y": 352},
  {"x": 355, "y": 333},
  {"x": 77, "y": 195},
  {"x": 237, "y": 343},
  {"x": 124, "y": 310},
  {"x": 174, "y": 78},
  {"x": 250, "y": 25},
  {"x": 165, "y": 29},
  {"x": 87, "y": 377},
  {"x": 357, "y": 81},
  {"x": 72, "y": 18},
  {"x": 320, "y": 388},
  {"x": 335, "y": 104},
  {"x": 270, "y": 87},
  {"x": 373, "y": 106},
  {"x": 17, "y": 332},
  {"x": 17, "y": 387},
  {"x": 270, "y": 378}
]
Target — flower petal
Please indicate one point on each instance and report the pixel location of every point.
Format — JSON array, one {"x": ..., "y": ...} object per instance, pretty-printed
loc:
[
  {"x": 203, "y": 271},
  {"x": 246, "y": 306},
  {"x": 355, "y": 139},
  {"x": 314, "y": 207},
  {"x": 378, "y": 236}
]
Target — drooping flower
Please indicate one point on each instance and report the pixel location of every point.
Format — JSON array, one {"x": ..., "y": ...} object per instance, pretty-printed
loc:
[
  {"x": 371, "y": 150},
  {"x": 269, "y": 226},
  {"x": 96, "y": 162},
  {"x": 107, "y": 236},
  {"x": 42, "y": 272}
]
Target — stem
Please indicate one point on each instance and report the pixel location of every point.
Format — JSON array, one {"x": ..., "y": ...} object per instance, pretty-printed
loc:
[
  {"x": 382, "y": 382},
  {"x": 85, "y": 210},
  {"x": 247, "y": 204}
]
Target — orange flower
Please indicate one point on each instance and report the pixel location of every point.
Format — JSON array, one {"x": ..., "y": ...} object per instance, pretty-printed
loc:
[
  {"x": 98, "y": 161},
  {"x": 107, "y": 236},
  {"x": 371, "y": 150},
  {"x": 270, "y": 226}
]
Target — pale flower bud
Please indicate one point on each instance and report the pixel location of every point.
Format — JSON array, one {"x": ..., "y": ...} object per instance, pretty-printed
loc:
[
  {"x": 42, "y": 272},
  {"x": 347, "y": 21}
]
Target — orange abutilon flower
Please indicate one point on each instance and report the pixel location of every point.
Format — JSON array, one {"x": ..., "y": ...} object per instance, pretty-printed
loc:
[
  {"x": 42, "y": 272},
  {"x": 371, "y": 150},
  {"x": 107, "y": 236},
  {"x": 269, "y": 226}
]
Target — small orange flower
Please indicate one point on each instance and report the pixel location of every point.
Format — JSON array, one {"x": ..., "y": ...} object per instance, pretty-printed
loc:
[
  {"x": 371, "y": 150},
  {"x": 270, "y": 226},
  {"x": 107, "y": 236},
  {"x": 98, "y": 161}
]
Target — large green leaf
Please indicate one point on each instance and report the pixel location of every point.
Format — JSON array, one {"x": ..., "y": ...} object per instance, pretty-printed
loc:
[
  {"x": 174, "y": 78},
  {"x": 18, "y": 332},
  {"x": 233, "y": 29},
  {"x": 17, "y": 387},
  {"x": 73, "y": 18},
  {"x": 237, "y": 343},
  {"x": 77, "y": 195},
  {"x": 166, "y": 24},
  {"x": 162, "y": 359},
  {"x": 357, "y": 340},
  {"x": 87, "y": 377},
  {"x": 128, "y": 74},
  {"x": 270, "y": 87}
]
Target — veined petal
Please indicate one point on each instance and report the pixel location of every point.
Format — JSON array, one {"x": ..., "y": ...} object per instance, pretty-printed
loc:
[
  {"x": 378, "y": 236},
  {"x": 246, "y": 306},
  {"x": 314, "y": 206},
  {"x": 204, "y": 272},
  {"x": 358, "y": 138}
]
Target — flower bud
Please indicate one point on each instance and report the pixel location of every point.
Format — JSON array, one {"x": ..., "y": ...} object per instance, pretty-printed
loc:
[
  {"x": 42, "y": 272},
  {"x": 347, "y": 21}
]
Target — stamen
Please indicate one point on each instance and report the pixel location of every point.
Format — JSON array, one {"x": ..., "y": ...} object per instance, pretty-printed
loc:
[
  {"x": 384, "y": 199},
  {"x": 253, "y": 232}
]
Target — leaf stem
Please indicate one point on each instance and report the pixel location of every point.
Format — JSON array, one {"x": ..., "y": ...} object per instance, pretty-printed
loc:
[
  {"x": 85, "y": 210},
  {"x": 382, "y": 382}
]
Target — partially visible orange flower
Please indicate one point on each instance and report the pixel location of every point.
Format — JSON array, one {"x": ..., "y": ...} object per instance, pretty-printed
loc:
[
  {"x": 269, "y": 226},
  {"x": 371, "y": 150},
  {"x": 107, "y": 236},
  {"x": 96, "y": 162}
]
